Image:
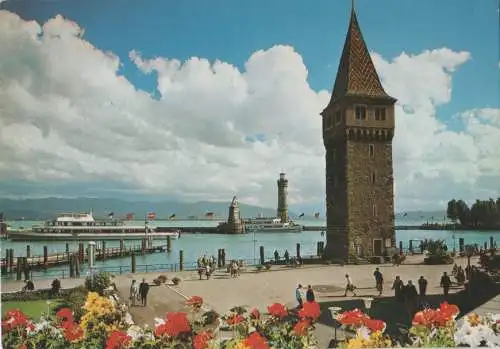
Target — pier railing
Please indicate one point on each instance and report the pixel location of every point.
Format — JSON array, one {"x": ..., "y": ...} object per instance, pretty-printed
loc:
[{"x": 64, "y": 273}]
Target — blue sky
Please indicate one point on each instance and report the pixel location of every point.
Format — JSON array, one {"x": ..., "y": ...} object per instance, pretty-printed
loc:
[
  {"x": 232, "y": 30},
  {"x": 449, "y": 162}
]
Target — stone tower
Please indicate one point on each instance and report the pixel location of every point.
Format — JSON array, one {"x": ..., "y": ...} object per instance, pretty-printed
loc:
[
  {"x": 358, "y": 127},
  {"x": 234, "y": 224},
  {"x": 282, "y": 198}
]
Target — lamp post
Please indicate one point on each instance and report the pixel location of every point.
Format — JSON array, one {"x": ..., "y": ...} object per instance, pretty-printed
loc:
[
  {"x": 368, "y": 304},
  {"x": 334, "y": 312},
  {"x": 48, "y": 309}
]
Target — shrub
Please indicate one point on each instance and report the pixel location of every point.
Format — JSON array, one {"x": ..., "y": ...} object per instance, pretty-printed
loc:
[
  {"x": 55, "y": 287},
  {"x": 162, "y": 278},
  {"x": 75, "y": 301},
  {"x": 157, "y": 282},
  {"x": 267, "y": 266},
  {"x": 176, "y": 280},
  {"x": 98, "y": 282},
  {"x": 259, "y": 267}
]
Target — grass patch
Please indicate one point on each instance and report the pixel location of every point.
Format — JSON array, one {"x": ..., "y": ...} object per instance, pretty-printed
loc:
[{"x": 33, "y": 309}]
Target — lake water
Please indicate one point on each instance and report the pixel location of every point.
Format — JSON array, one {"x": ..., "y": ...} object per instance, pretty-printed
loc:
[{"x": 245, "y": 246}]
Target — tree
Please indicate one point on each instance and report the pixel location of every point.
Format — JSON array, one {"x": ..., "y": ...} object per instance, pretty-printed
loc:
[{"x": 452, "y": 210}]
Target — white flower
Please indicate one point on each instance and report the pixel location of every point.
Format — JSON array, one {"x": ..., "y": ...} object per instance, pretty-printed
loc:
[
  {"x": 128, "y": 319},
  {"x": 135, "y": 332},
  {"x": 159, "y": 321},
  {"x": 473, "y": 336},
  {"x": 363, "y": 332}
]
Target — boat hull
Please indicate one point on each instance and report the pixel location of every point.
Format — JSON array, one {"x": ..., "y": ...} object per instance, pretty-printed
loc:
[
  {"x": 34, "y": 236},
  {"x": 297, "y": 229}
]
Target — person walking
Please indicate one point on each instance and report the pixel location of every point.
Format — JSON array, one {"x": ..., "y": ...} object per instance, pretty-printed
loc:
[
  {"x": 411, "y": 298},
  {"x": 310, "y": 294},
  {"x": 398, "y": 288},
  {"x": 298, "y": 296},
  {"x": 445, "y": 284},
  {"x": 349, "y": 286},
  {"x": 134, "y": 292},
  {"x": 379, "y": 281},
  {"x": 143, "y": 291},
  {"x": 422, "y": 286}
]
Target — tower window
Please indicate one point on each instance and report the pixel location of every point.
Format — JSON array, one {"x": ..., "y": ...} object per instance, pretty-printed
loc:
[
  {"x": 371, "y": 150},
  {"x": 360, "y": 113},
  {"x": 338, "y": 117},
  {"x": 334, "y": 154},
  {"x": 329, "y": 121},
  {"x": 373, "y": 177},
  {"x": 380, "y": 114},
  {"x": 374, "y": 210}
]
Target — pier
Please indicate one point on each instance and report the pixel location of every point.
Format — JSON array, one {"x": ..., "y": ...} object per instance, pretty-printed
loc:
[
  {"x": 216, "y": 230},
  {"x": 17, "y": 264}
]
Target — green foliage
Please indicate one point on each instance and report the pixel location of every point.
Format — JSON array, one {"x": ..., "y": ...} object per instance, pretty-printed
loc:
[
  {"x": 55, "y": 286},
  {"x": 436, "y": 252},
  {"x": 33, "y": 309},
  {"x": 176, "y": 280},
  {"x": 162, "y": 278},
  {"x": 75, "y": 301},
  {"x": 98, "y": 283},
  {"x": 483, "y": 213}
]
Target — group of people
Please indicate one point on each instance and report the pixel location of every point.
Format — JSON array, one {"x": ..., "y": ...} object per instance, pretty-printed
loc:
[
  {"x": 139, "y": 292},
  {"x": 206, "y": 266},
  {"x": 310, "y": 297}
]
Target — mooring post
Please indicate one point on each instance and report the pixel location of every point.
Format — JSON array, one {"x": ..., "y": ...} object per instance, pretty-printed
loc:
[
  {"x": 461, "y": 244},
  {"x": 261, "y": 252},
  {"x": 143, "y": 246},
  {"x": 410, "y": 246},
  {"x": 45, "y": 255},
  {"x": 71, "y": 267},
  {"x": 11, "y": 261},
  {"x": 77, "y": 267},
  {"x": 298, "y": 251},
  {"x": 485, "y": 245},
  {"x": 169, "y": 243},
  {"x": 19, "y": 262},
  {"x": 492, "y": 242},
  {"x": 181, "y": 260},
  {"x": 122, "y": 245},
  {"x": 104, "y": 250},
  {"x": 26, "y": 268},
  {"x": 28, "y": 251},
  {"x": 219, "y": 259},
  {"x": 5, "y": 266},
  {"x": 81, "y": 252},
  {"x": 133, "y": 262},
  {"x": 223, "y": 257}
]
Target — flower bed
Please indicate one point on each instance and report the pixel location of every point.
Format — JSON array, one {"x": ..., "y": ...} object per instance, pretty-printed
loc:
[{"x": 103, "y": 325}]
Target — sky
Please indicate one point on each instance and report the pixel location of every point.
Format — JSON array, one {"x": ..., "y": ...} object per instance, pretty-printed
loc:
[{"x": 206, "y": 99}]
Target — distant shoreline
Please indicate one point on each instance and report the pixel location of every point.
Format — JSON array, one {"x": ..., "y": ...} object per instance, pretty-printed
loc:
[{"x": 456, "y": 227}]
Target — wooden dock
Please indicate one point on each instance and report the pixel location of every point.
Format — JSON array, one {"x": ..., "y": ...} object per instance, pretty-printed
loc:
[{"x": 9, "y": 264}]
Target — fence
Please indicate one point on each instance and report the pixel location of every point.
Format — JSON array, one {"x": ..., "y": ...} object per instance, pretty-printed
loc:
[{"x": 63, "y": 273}]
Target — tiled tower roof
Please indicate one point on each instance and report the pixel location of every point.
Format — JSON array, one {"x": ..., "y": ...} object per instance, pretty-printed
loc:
[{"x": 356, "y": 75}]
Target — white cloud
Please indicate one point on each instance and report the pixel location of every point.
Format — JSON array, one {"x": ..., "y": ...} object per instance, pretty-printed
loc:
[{"x": 66, "y": 114}]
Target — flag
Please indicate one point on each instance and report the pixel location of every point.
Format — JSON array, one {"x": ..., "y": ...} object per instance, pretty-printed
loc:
[
  {"x": 130, "y": 216},
  {"x": 209, "y": 214},
  {"x": 151, "y": 216},
  {"x": 301, "y": 215},
  {"x": 316, "y": 215},
  {"x": 172, "y": 216},
  {"x": 110, "y": 215}
]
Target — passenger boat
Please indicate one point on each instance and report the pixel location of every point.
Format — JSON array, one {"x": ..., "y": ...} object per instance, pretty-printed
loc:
[
  {"x": 271, "y": 225},
  {"x": 83, "y": 227}
]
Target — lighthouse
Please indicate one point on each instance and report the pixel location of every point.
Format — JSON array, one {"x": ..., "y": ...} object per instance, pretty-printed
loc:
[{"x": 282, "y": 198}]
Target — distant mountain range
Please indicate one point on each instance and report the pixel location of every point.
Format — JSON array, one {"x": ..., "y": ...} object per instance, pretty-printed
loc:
[{"x": 48, "y": 208}]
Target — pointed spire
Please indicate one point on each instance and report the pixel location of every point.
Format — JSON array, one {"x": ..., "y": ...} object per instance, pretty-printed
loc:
[{"x": 356, "y": 74}]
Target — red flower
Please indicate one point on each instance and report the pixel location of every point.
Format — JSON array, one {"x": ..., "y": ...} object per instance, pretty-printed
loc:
[
  {"x": 449, "y": 311},
  {"x": 118, "y": 340},
  {"x": 235, "y": 319},
  {"x": 72, "y": 332},
  {"x": 256, "y": 341},
  {"x": 300, "y": 329},
  {"x": 374, "y": 325},
  {"x": 175, "y": 324},
  {"x": 277, "y": 310},
  {"x": 310, "y": 310},
  {"x": 65, "y": 314},
  {"x": 255, "y": 314},
  {"x": 352, "y": 318},
  {"x": 195, "y": 301},
  {"x": 22, "y": 346},
  {"x": 14, "y": 319},
  {"x": 200, "y": 341}
]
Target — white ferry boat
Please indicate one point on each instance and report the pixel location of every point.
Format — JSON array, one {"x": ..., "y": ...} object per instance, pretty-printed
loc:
[
  {"x": 83, "y": 227},
  {"x": 271, "y": 225}
]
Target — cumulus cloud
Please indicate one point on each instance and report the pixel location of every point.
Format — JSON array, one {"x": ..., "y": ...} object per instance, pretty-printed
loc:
[{"x": 67, "y": 114}]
